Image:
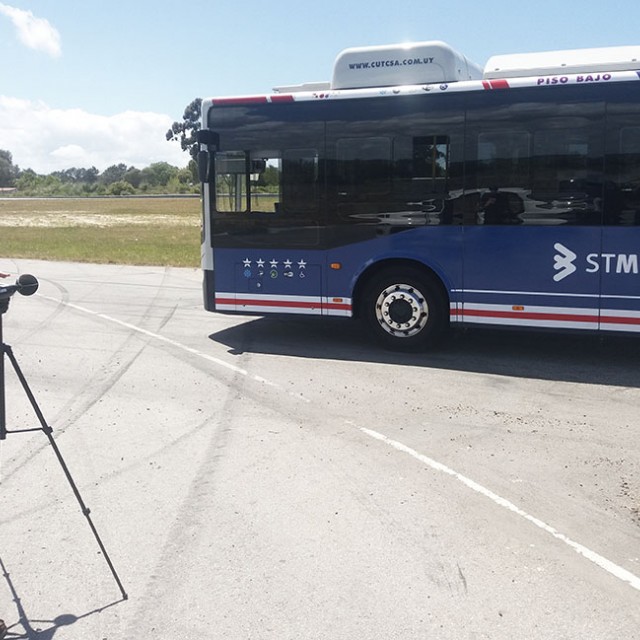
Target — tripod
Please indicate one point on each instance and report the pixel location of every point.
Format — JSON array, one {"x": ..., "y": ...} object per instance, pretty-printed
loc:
[{"x": 27, "y": 285}]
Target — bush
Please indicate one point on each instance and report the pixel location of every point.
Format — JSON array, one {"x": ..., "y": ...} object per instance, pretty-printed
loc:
[{"x": 120, "y": 188}]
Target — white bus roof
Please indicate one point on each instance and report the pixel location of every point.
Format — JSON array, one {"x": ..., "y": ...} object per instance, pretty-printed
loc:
[
  {"x": 401, "y": 64},
  {"x": 570, "y": 61},
  {"x": 434, "y": 62}
]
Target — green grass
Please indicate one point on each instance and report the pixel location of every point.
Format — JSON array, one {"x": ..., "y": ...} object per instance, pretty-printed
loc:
[{"x": 138, "y": 231}]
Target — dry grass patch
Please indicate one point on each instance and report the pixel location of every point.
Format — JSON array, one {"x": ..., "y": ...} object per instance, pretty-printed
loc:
[{"x": 159, "y": 231}]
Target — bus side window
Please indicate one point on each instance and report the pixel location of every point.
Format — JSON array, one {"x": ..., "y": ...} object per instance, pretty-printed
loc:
[
  {"x": 231, "y": 181},
  {"x": 300, "y": 170},
  {"x": 431, "y": 161},
  {"x": 567, "y": 174},
  {"x": 265, "y": 174},
  {"x": 626, "y": 208},
  {"x": 421, "y": 165},
  {"x": 502, "y": 176},
  {"x": 363, "y": 168}
]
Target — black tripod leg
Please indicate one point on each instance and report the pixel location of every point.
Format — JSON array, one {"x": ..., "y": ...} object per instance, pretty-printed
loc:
[
  {"x": 49, "y": 432},
  {"x": 3, "y": 418}
]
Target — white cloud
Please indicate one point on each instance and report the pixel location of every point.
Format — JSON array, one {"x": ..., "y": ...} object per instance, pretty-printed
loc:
[
  {"x": 46, "y": 139},
  {"x": 35, "y": 33},
  {"x": 73, "y": 154}
]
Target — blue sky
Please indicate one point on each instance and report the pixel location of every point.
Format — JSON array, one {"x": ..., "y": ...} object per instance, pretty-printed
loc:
[{"x": 96, "y": 83}]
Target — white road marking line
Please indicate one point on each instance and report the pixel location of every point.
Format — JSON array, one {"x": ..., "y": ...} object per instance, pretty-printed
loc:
[
  {"x": 179, "y": 345},
  {"x": 603, "y": 563}
]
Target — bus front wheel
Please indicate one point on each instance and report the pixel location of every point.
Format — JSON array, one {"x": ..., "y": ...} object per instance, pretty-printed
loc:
[{"x": 404, "y": 309}]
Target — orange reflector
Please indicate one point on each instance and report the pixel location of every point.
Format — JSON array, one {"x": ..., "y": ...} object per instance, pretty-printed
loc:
[
  {"x": 338, "y": 300},
  {"x": 336, "y": 265},
  {"x": 517, "y": 307}
]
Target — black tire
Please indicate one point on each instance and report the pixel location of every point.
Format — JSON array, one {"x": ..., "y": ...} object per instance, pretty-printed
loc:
[{"x": 404, "y": 309}]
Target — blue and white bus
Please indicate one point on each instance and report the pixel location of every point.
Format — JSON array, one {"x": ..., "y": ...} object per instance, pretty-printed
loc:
[{"x": 416, "y": 190}]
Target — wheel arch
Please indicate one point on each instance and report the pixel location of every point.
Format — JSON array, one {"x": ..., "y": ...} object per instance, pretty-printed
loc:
[{"x": 388, "y": 264}]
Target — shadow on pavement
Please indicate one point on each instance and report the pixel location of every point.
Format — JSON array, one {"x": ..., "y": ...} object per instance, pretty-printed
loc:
[
  {"x": 586, "y": 358},
  {"x": 31, "y": 629}
]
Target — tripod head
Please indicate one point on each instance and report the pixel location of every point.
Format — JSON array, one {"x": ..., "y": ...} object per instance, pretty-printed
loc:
[{"x": 25, "y": 285}]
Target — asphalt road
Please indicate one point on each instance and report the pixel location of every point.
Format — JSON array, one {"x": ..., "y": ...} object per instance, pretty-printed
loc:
[{"x": 283, "y": 479}]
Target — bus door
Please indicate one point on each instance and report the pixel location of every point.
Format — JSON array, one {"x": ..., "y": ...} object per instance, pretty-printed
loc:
[
  {"x": 267, "y": 209},
  {"x": 531, "y": 208},
  {"x": 393, "y": 163},
  {"x": 617, "y": 263}
]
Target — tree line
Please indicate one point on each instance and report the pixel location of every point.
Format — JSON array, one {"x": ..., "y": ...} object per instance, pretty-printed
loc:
[{"x": 116, "y": 180}]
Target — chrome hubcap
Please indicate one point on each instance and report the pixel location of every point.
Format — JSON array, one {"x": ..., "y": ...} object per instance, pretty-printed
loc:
[{"x": 402, "y": 310}]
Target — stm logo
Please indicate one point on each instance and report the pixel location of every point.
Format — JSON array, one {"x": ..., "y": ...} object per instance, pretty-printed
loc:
[
  {"x": 563, "y": 262},
  {"x": 618, "y": 263}
]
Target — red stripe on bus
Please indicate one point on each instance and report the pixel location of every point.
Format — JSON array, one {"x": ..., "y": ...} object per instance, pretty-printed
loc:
[
  {"x": 495, "y": 84},
  {"x": 524, "y": 315},
  {"x": 552, "y": 316},
  {"x": 619, "y": 320},
  {"x": 245, "y": 100},
  {"x": 284, "y": 304}
]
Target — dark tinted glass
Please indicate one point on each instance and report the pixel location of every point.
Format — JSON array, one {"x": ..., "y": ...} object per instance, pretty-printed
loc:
[
  {"x": 534, "y": 156},
  {"x": 622, "y": 185},
  {"x": 283, "y": 174}
]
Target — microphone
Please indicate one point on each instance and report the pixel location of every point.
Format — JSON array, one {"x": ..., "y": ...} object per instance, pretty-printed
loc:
[{"x": 25, "y": 285}]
